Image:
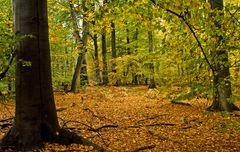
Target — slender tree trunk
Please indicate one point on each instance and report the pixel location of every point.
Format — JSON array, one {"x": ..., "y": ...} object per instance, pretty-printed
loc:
[
  {"x": 96, "y": 62},
  {"x": 104, "y": 51},
  {"x": 128, "y": 42},
  {"x": 104, "y": 58},
  {"x": 221, "y": 83},
  {"x": 134, "y": 75},
  {"x": 126, "y": 72},
  {"x": 136, "y": 40},
  {"x": 81, "y": 68},
  {"x": 152, "y": 83},
  {"x": 114, "y": 51},
  {"x": 76, "y": 74},
  {"x": 35, "y": 118},
  {"x": 85, "y": 26},
  {"x": 151, "y": 65},
  {"x": 96, "y": 56},
  {"x": 74, "y": 85}
]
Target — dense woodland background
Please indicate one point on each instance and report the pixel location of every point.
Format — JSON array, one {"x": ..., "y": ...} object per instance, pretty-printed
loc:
[
  {"x": 133, "y": 42},
  {"x": 183, "y": 51}
]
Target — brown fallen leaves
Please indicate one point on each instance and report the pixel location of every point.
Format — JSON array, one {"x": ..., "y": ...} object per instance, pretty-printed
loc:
[{"x": 136, "y": 119}]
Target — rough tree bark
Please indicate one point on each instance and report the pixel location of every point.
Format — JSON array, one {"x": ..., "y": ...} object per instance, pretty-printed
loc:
[{"x": 35, "y": 118}]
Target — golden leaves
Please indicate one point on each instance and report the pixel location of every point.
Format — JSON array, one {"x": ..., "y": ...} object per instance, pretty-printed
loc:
[
  {"x": 63, "y": 148},
  {"x": 135, "y": 118},
  {"x": 139, "y": 118}
]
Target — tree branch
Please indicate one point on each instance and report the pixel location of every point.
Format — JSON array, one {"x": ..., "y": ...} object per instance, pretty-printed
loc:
[
  {"x": 191, "y": 29},
  {"x": 3, "y": 74}
]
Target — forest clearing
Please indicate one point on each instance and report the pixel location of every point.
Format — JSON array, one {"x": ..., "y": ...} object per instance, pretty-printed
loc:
[{"x": 137, "y": 119}]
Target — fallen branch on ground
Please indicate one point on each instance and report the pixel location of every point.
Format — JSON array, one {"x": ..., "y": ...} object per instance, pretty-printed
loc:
[
  {"x": 152, "y": 117},
  {"x": 97, "y": 116},
  {"x": 105, "y": 126},
  {"x": 66, "y": 137},
  {"x": 159, "y": 137},
  {"x": 152, "y": 125},
  {"x": 180, "y": 103},
  {"x": 61, "y": 109},
  {"x": 144, "y": 148},
  {"x": 90, "y": 128}
]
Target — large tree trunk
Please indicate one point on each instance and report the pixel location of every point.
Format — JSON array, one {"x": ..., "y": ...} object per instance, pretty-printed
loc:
[
  {"x": 221, "y": 83},
  {"x": 35, "y": 118}
]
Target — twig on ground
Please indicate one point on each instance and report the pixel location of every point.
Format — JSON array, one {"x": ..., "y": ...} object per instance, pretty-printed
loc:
[
  {"x": 181, "y": 103},
  {"x": 152, "y": 117},
  {"x": 61, "y": 109},
  {"x": 159, "y": 137},
  {"x": 152, "y": 125},
  {"x": 105, "y": 126},
  {"x": 97, "y": 116},
  {"x": 90, "y": 128}
]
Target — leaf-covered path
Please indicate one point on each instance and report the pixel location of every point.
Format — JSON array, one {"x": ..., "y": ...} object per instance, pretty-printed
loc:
[{"x": 136, "y": 119}]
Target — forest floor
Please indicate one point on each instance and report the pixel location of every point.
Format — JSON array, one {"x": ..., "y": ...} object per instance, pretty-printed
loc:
[{"x": 136, "y": 119}]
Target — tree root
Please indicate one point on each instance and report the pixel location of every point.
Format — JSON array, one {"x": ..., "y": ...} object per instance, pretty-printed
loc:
[
  {"x": 66, "y": 137},
  {"x": 217, "y": 108},
  {"x": 96, "y": 115},
  {"x": 6, "y": 123}
]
